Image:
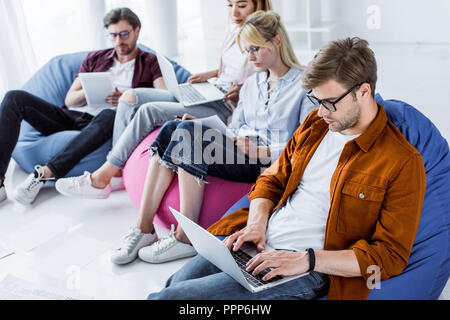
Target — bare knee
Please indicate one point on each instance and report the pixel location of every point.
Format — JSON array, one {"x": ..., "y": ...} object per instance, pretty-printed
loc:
[{"x": 129, "y": 96}]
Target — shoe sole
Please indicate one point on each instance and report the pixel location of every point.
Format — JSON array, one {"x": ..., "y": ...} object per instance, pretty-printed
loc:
[
  {"x": 179, "y": 257},
  {"x": 69, "y": 195},
  {"x": 18, "y": 198},
  {"x": 125, "y": 262},
  {"x": 122, "y": 263}
]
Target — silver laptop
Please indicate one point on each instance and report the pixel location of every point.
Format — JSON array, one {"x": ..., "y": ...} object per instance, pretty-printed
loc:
[
  {"x": 232, "y": 263},
  {"x": 187, "y": 94}
]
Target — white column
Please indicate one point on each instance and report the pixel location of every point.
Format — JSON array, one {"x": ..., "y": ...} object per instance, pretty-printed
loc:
[
  {"x": 216, "y": 24},
  {"x": 162, "y": 21},
  {"x": 92, "y": 14}
]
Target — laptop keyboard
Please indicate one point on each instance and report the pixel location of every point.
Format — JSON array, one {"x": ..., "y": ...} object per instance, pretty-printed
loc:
[
  {"x": 190, "y": 95},
  {"x": 242, "y": 258}
]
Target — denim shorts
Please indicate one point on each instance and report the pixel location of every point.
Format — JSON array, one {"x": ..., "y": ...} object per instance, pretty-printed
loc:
[{"x": 201, "y": 151}]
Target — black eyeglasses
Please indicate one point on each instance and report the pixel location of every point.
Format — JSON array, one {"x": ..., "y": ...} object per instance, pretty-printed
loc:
[
  {"x": 124, "y": 35},
  {"x": 329, "y": 105}
]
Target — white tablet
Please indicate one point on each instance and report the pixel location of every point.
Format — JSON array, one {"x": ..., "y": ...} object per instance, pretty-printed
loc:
[{"x": 96, "y": 86}]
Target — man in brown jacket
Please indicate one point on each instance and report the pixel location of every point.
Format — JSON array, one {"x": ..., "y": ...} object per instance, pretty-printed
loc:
[{"x": 342, "y": 202}]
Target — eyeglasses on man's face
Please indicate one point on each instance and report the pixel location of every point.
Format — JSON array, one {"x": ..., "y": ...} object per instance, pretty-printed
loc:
[
  {"x": 124, "y": 35},
  {"x": 327, "y": 104}
]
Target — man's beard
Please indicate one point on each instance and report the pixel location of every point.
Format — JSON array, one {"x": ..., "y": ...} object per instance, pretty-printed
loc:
[
  {"x": 349, "y": 121},
  {"x": 127, "y": 51}
]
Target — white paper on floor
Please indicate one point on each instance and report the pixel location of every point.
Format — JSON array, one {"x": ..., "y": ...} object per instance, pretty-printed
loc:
[
  {"x": 13, "y": 288},
  {"x": 73, "y": 254},
  {"x": 4, "y": 252},
  {"x": 39, "y": 232}
]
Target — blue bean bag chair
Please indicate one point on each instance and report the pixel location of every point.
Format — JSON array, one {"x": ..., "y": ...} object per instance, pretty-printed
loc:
[
  {"x": 428, "y": 267},
  {"x": 51, "y": 83}
]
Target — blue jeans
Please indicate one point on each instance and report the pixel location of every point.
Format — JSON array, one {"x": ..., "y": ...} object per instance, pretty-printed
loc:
[
  {"x": 187, "y": 145},
  {"x": 201, "y": 280},
  {"x": 153, "y": 107}
]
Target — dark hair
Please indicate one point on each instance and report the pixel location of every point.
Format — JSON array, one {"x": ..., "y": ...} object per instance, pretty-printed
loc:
[
  {"x": 349, "y": 62},
  {"x": 120, "y": 14}
]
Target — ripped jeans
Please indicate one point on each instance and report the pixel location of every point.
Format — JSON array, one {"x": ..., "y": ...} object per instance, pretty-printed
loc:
[{"x": 201, "y": 151}]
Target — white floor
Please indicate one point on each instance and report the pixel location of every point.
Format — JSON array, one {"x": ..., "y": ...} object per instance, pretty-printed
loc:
[{"x": 77, "y": 257}]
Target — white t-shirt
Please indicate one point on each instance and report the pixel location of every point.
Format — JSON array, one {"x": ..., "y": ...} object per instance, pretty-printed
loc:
[
  {"x": 122, "y": 74},
  {"x": 301, "y": 223},
  {"x": 233, "y": 60}
]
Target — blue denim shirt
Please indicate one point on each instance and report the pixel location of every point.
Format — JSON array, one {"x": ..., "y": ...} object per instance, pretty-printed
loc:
[{"x": 276, "y": 119}]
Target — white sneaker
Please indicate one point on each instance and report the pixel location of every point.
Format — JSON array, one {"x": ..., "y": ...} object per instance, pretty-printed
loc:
[
  {"x": 3, "y": 195},
  {"x": 27, "y": 192},
  {"x": 81, "y": 187},
  {"x": 132, "y": 243},
  {"x": 117, "y": 184},
  {"x": 167, "y": 249}
]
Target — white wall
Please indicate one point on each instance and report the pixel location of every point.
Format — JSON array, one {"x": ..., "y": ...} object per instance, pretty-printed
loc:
[
  {"x": 412, "y": 45},
  {"x": 402, "y": 21},
  {"x": 215, "y": 27}
]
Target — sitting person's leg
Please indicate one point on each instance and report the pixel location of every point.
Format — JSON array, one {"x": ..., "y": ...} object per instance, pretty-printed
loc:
[
  {"x": 188, "y": 153},
  {"x": 18, "y": 106},
  {"x": 43, "y": 116},
  {"x": 147, "y": 119},
  {"x": 130, "y": 103},
  {"x": 158, "y": 180},
  {"x": 91, "y": 137},
  {"x": 95, "y": 131},
  {"x": 200, "y": 280}
]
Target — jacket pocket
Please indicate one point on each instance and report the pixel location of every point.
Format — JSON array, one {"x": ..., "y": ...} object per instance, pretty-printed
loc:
[{"x": 359, "y": 209}]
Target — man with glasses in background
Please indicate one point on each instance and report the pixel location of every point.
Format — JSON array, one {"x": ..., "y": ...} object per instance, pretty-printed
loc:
[
  {"x": 130, "y": 68},
  {"x": 342, "y": 202}
]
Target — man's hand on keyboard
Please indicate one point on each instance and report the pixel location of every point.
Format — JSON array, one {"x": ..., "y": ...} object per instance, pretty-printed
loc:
[
  {"x": 251, "y": 233},
  {"x": 281, "y": 263}
]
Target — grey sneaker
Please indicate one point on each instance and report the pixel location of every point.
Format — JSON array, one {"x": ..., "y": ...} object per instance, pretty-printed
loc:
[
  {"x": 27, "y": 192},
  {"x": 167, "y": 249},
  {"x": 131, "y": 244},
  {"x": 3, "y": 195}
]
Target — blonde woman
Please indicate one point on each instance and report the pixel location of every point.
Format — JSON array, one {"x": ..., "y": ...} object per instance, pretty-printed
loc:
[
  {"x": 270, "y": 109},
  {"x": 141, "y": 111}
]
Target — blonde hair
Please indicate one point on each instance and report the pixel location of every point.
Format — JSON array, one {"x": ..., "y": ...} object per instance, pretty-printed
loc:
[
  {"x": 261, "y": 27},
  {"x": 264, "y": 5}
]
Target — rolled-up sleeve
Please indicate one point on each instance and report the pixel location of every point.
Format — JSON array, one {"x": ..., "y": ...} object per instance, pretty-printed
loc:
[{"x": 391, "y": 244}]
